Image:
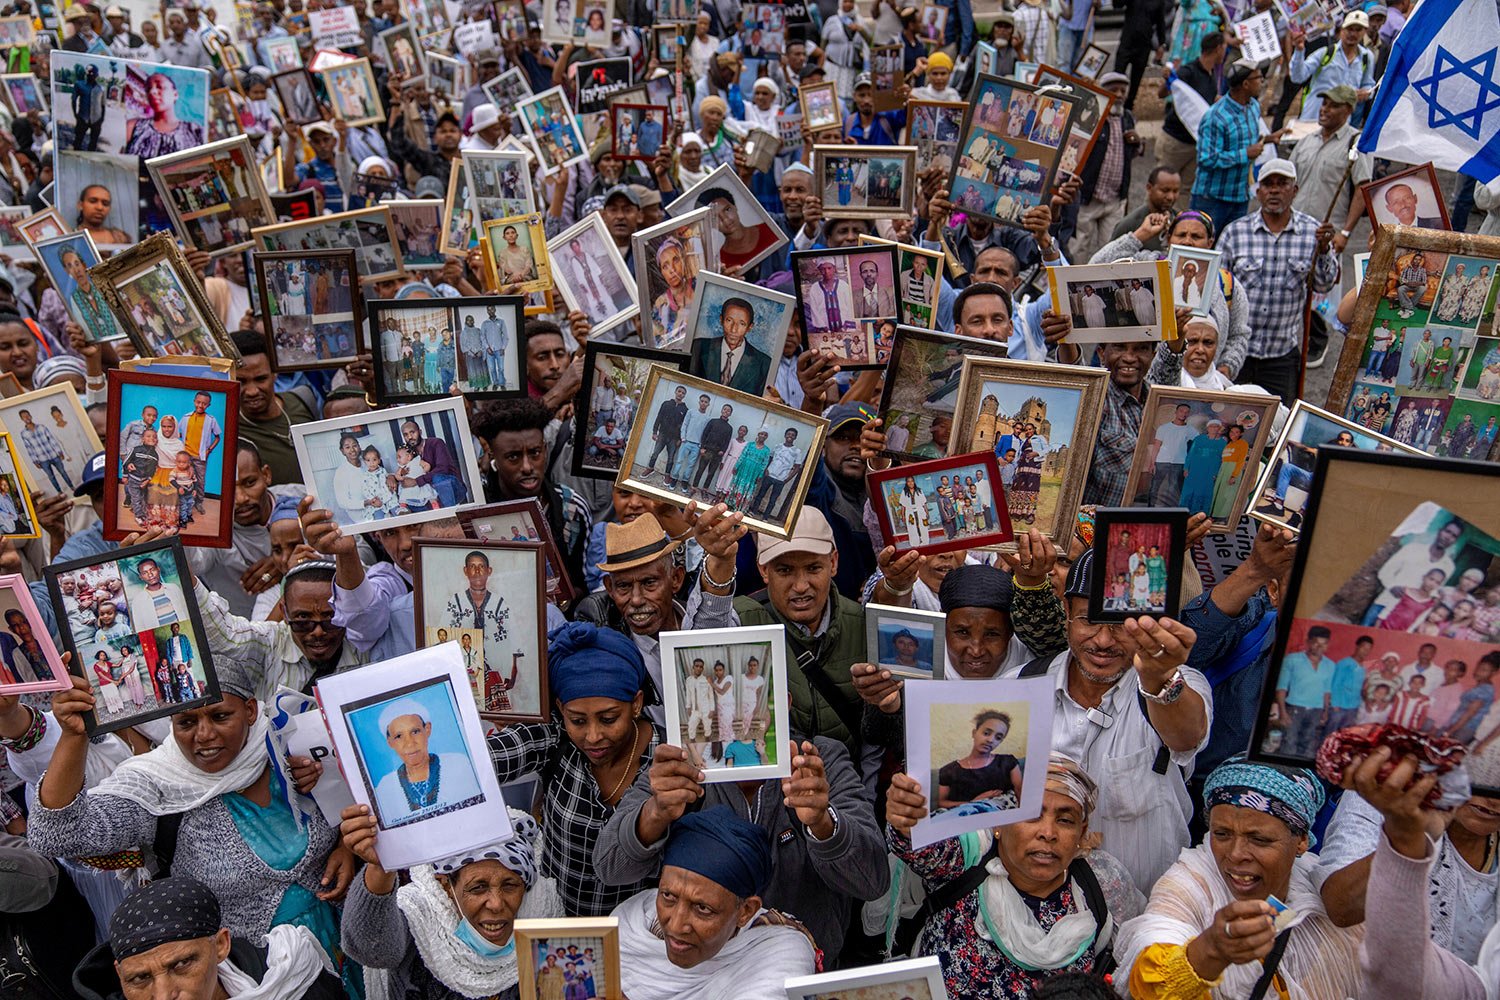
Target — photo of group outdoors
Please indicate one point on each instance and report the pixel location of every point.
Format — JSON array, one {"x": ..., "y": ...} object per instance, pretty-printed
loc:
[
  {"x": 552, "y": 128},
  {"x": 921, "y": 390},
  {"x": 941, "y": 505},
  {"x": 131, "y": 623},
  {"x": 638, "y": 130},
  {"x": 1114, "y": 303},
  {"x": 1012, "y": 141},
  {"x": 615, "y": 376},
  {"x": 727, "y": 700},
  {"x": 310, "y": 307},
  {"x": 1427, "y": 372},
  {"x": 158, "y": 302},
  {"x": 1138, "y": 562},
  {"x": 174, "y": 442},
  {"x": 425, "y": 349},
  {"x": 871, "y": 182},
  {"x": 843, "y": 296},
  {"x": 1395, "y": 618}
]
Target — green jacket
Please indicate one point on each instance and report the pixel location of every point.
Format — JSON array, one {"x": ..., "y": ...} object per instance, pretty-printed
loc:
[{"x": 835, "y": 651}]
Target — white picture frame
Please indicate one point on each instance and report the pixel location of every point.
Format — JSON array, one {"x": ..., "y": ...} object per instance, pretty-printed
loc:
[
  {"x": 680, "y": 649},
  {"x": 599, "y": 254},
  {"x": 938, "y": 719},
  {"x": 883, "y": 622},
  {"x": 926, "y": 971},
  {"x": 554, "y": 101},
  {"x": 479, "y": 173},
  {"x": 746, "y": 204},
  {"x": 434, "y": 679},
  {"x": 1208, "y": 289}
]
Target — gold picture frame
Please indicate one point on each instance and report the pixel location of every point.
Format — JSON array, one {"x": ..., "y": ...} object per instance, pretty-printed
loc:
[
  {"x": 126, "y": 267},
  {"x": 536, "y": 235},
  {"x": 212, "y": 154},
  {"x": 529, "y": 934},
  {"x": 22, "y": 494}
]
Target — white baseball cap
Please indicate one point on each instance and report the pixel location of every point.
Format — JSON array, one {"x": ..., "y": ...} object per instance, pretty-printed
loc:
[{"x": 1279, "y": 168}]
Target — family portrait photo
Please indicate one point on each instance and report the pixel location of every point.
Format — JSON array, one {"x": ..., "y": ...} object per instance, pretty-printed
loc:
[
  {"x": 941, "y": 505},
  {"x": 491, "y": 589},
  {"x": 569, "y": 958},
  {"x": 396, "y": 466},
  {"x": 67, "y": 258},
  {"x": 906, "y": 641},
  {"x": 1115, "y": 303},
  {"x": 1200, "y": 449},
  {"x": 739, "y": 332},
  {"x": 669, "y": 257},
  {"x": 697, "y": 440},
  {"x": 159, "y": 303},
  {"x": 591, "y": 275},
  {"x": 637, "y": 130},
  {"x": 367, "y": 231},
  {"x": 614, "y": 378},
  {"x": 29, "y": 662},
  {"x": 1137, "y": 562},
  {"x": 426, "y": 348},
  {"x": 173, "y": 444},
  {"x": 311, "y": 308},
  {"x": 1012, "y": 141},
  {"x": 133, "y": 628},
  {"x": 920, "y": 394},
  {"x": 727, "y": 700},
  {"x": 820, "y": 107},
  {"x": 866, "y": 182},
  {"x": 553, "y": 129},
  {"x": 53, "y": 436},
  {"x": 843, "y": 295},
  {"x": 214, "y": 194},
  {"x": 353, "y": 95},
  {"x": 418, "y": 224}
]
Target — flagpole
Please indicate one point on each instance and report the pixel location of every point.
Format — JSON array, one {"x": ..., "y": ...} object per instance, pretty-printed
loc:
[{"x": 1353, "y": 158}]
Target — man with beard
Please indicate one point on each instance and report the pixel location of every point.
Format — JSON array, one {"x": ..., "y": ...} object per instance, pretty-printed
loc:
[{"x": 442, "y": 474}]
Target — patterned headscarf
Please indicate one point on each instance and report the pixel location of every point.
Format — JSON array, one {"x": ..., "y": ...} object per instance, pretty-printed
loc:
[
  {"x": 517, "y": 853},
  {"x": 1191, "y": 213},
  {"x": 168, "y": 910},
  {"x": 1067, "y": 777},
  {"x": 1292, "y": 795}
]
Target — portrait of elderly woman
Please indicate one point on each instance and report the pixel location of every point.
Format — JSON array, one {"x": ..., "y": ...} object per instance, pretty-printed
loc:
[
  {"x": 425, "y": 772},
  {"x": 158, "y": 129}
]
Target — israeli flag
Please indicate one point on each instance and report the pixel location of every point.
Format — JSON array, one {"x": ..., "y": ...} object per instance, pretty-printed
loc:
[{"x": 1440, "y": 97}]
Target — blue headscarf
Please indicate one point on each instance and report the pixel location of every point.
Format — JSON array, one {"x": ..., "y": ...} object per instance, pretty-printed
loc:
[
  {"x": 723, "y": 848},
  {"x": 585, "y": 661},
  {"x": 1291, "y": 794},
  {"x": 284, "y": 510}
]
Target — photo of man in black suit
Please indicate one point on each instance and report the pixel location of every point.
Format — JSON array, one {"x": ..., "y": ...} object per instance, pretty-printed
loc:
[
  {"x": 714, "y": 443},
  {"x": 667, "y": 431},
  {"x": 729, "y": 358}
]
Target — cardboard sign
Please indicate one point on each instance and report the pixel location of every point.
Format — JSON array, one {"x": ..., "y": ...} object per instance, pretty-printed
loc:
[
  {"x": 307, "y": 736},
  {"x": 474, "y": 36},
  {"x": 1258, "y": 37},
  {"x": 336, "y": 26}
]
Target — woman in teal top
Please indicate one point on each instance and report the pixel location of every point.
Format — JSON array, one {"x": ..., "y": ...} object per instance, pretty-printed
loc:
[
  {"x": 87, "y": 301},
  {"x": 747, "y": 472},
  {"x": 1196, "y": 19}
]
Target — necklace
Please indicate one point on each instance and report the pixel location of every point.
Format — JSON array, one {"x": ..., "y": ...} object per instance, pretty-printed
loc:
[
  {"x": 625, "y": 773},
  {"x": 421, "y": 794}
]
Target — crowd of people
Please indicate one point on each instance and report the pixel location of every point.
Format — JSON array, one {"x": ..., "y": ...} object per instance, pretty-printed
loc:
[{"x": 181, "y": 856}]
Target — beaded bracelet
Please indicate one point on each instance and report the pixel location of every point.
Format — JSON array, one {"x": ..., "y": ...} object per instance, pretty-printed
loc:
[{"x": 31, "y": 737}]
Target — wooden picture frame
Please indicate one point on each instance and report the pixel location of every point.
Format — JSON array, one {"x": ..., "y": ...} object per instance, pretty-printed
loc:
[
  {"x": 161, "y": 252},
  {"x": 379, "y": 258},
  {"x": 536, "y": 235},
  {"x": 825, "y": 159},
  {"x": 1380, "y": 214},
  {"x": 373, "y": 107},
  {"x": 528, "y": 523},
  {"x": 974, "y": 180},
  {"x": 828, "y": 114},
  {"x": 30, "y": 227},
  {"x": 528, "y": 933},
  {"x": 1104, "y": 606},
  {"x": 912, "y": 371},
  {"x": 527, "y": 628},
  {"x": 90, "y": 310},
  {"x": 266, "y": 261},
  {"x": 1090, "y": 117},
  {"x": 857, "y": 348},
  {"x": 251, "y": 210}
]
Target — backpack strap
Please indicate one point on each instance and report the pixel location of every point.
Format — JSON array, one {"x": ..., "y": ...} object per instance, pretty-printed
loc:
[
  {"x": 941, "y": 898},
  {"x": 1081, "y": 872},
  {"x": 1038, "y": 667}
]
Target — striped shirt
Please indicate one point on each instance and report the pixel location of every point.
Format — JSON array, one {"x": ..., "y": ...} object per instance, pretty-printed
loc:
[{"x": 1225, "y": 136}]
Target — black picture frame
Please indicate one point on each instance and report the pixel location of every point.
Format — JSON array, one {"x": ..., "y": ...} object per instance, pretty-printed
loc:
[
  {"x": 77, "y": 665},
  {"x": 286, "y": 103},
  {"x": 378, "y": 309},
  {"x": 905, "y": 336},
  {"x": 1176, "y": 519},
  {"x": 583, "y": 415},
  {"x": 1290, "y": 624},
  {"x": 354, "y": 326}
]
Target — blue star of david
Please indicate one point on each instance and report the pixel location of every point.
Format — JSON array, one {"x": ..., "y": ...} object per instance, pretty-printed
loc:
[{"x": 1478, "y": 70}]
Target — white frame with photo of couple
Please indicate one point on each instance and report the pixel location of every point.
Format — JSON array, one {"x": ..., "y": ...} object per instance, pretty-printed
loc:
[{"x": 1095, "y": 327}]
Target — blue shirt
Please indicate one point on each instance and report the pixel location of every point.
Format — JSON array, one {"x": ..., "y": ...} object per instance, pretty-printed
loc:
[
  {"x": 1327, "y": 75},
  {"x": 883, "y": 131},
  {"x": 1225, "y": 136},
  {"x": 1304, "y": 684},
  {"x": 1348, "y": 683}
]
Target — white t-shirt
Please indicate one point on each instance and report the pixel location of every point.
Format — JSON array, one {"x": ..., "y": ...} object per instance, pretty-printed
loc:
[{"x": 1174, "y": 440}]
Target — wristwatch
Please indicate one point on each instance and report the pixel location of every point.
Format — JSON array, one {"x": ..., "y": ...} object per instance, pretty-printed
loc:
[{"x": 1170, "y": 691}]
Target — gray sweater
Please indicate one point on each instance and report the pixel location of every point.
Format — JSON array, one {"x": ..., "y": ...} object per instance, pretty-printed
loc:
[
  {"x": 811, "y": 881},
  {"x": 209, "y": 848}
]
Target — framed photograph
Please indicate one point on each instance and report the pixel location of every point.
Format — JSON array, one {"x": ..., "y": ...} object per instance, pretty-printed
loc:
[
  {"x": 298, "y": 96},
  {"x": 843, "y": 295},
  {"x": 820, "y": 107},
  {"x": 396, "y": 466},
  {"x": 591, "y": 275},
  {"x": 427, "y": 347},
  {"x": 1200, "y": 449},
  {"x": 726, "y": 700},
  {"x": 353, "y": 94},
  {"x": 44, "y": 225},
  {"x": 1286, "y": 481},
  {"x": 229, "y": 115},
  {"x": 18, "y": 521},
  {"x": 282, "y": 53},
  {"x": 516, "y": 252},
  {"x": 920, "y": 392},
  {"x": 498, "y": 183},
  {"x": 969, "y": 744},
  {"x": 1361, "y": 265},
  {"x": 521, "y": 521},
  {"x": 739, "y": 332},
  {"x": 1421, "y": 363},
  {"x": 132, "y": 625},
  {"x": 614, "y": 379},
  {"x": 1409, "y": 198},
  {"x": 418, "y": 223},
  {"x": 1003, "y": 168},
  {"x": 669, "y": 257},
  {"x": 1024, "y": 411},
  {"x": 12, "y": 243},
  {"x": 918, "y": 286},
  {"x": 908, "y": 642},
  {"x": 159, "y": 302},
  {"x": 214, "y": 195},
  {"x": 411, "y": 744},
  {"x": 1092, "y": 62},
  {"x": 941, "y": 505},
  {"x": 1116, "y": 303},
  {"x": 637, "y": 130},
  {"x": 1025, "y": 72},
  {"x": 487, "y": 598},
  {"x": 510, "y": 15},
  {"x": 369, "y": 232},
  {"x": 743, "y": 232},
  {"x": 69, "y": 260},
  {"x": 17, "y": 31},
  {"x": 1389, "y": 613},
  {"x": 55, "y": 436},
  {"x": 1195, "y": 279},
  {"x": 906, "y": 979},
  {"x": 459, "y": 234},
  {"x": 23, "y": 92},
  {"x": 934, "y": 127},
  {"x": 932, "y": 24},
  {"x": 552, "y": 127},
  {"x": 29, "y": 662},
  {"x": 1138, "y": 556},
  {"x": 559, "y": 18},
  {"x": 763, "y": 471},
  {"x": 664, "y": 41},
  {"x": 311, "y": 307},
  {"x": 507, "y": 89},
  {"x": 173, "y": 442},
  {"x": 597, "y": 79},
  {"x": 403, "y": 52},
  {"x": 552, "y": 955},
  {"x": 865, "y": 182},
  {"x": 121, "y": 129},
  {"x": 1091, "y": 107}
]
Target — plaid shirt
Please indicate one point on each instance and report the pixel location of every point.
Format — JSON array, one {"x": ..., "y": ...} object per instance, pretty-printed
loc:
[
  {"x": 1272, "y": 269},
  {"x": 1225, "y": 136},
  {"x": 41, "y": 444},
  {"x": 573, "y": 811},
  {"x": 1112, "y": 171},
  {"x": 1119, "y": 427}
]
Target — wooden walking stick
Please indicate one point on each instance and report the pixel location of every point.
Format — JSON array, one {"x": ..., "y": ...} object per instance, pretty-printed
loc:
[{"x": 1353, "y": 158}]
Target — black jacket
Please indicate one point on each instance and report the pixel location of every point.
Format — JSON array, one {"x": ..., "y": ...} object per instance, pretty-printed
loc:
[
  {"x": 1095, "y": 161},
  {"x": 95, "y": 977}
]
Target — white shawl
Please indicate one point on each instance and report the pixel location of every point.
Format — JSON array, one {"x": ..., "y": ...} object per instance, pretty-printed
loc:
[
  {"x": 754, "y": 965},
  {"x": 1321, "y": 961},
  {"x": 164, "y": 782},
  {"x": 294, "y": 960}
]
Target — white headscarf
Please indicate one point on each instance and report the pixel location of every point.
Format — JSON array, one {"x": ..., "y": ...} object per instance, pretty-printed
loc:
[
  {"x": 164, "y": 782},
  {"x": 757, "y": 118}
]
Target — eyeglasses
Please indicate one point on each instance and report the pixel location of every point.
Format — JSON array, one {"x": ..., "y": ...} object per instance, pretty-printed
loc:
[
  {"x": 1093, "y": 627},
  {"x": 302, "y": 626}
]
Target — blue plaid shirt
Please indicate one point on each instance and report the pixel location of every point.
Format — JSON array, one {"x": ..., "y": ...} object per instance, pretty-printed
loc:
[
  {"x": 1272, "y": 269},
  {"x": 1225, "y": 136},
  {"x": 41, "y": 444}
]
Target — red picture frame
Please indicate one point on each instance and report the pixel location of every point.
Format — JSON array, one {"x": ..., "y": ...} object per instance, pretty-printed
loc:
[
  {"x": 557, "y": 584},
  {"x": 614, "y": 129},
  {"x": 886, "y": 489}
]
